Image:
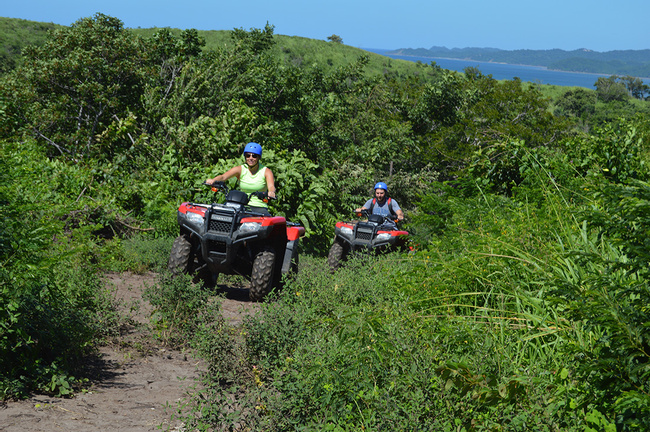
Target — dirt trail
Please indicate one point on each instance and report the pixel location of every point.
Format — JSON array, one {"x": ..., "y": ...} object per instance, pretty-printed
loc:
[{"x": 136, "y": 386}]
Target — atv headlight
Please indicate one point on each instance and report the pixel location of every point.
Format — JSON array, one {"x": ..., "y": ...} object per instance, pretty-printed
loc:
[
  {"x": 195, "y": 218},
  {"x": 346, "y": 231},
  {"x": 383, "y": 237},
  {"x": 248, "y": 227}
]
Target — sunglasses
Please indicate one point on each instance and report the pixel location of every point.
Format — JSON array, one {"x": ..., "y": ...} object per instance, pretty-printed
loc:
[{"x": 251, "y": 155}]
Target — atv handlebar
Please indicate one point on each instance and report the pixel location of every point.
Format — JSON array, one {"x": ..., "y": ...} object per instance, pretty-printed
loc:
[
  {"x": 220, "y": 186},
  {"x": 264, "y": 196},
  {"x": 366, "y": 213},
  {"x": 217, "y": 186}
]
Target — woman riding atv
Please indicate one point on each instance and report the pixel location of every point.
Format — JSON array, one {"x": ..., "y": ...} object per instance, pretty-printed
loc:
[{"x": 252, "y": 176}]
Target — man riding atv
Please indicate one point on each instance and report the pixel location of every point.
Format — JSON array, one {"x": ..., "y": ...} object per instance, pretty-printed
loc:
[
  {"x": 383, "y": 205},
  {"x": 379, "y": 233}
]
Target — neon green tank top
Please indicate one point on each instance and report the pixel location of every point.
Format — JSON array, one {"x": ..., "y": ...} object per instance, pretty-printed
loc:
[{"x": 253, "y": 183}]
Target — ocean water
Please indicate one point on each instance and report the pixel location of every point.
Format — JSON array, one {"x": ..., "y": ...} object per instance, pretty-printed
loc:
[{"x": 502, "y": 71}]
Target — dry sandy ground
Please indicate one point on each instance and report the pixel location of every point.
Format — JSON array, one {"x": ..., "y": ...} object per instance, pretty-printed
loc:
[{"x": 137, "y": 385}]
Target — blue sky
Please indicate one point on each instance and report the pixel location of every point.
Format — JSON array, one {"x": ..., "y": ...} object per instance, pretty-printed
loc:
[{"x": 506, "y": 24}]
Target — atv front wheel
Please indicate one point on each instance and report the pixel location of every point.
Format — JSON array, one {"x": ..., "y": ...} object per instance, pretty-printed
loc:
[
  {"x": 335, "y": 256},
  {"x": 180, "y": 258},
  {"x": 262, "y": 275}
]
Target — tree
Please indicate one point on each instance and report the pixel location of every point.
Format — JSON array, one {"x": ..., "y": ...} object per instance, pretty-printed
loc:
[
  {"x": 472, "y": 73},
  {"x": 80, "y": 81},
  {"x": 191, "y": 43},
  {"x": 438, "y": 105},
  {"x": 335, "y": 38},
  {"x": 609, "y": 89},
  {"x": 256, "y": 41},
  {"x": 635, "y": 86},
  {"x": 577, "y": 103}
]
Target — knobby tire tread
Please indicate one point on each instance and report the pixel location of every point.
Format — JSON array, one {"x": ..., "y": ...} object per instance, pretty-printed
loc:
[
  {"x": 262, "y": 275},
  {"x": 335, "y": 256},
  {"x": 179, "y": 258}
]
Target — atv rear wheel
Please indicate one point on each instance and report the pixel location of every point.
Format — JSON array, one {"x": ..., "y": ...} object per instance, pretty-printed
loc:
[
  {"x": 335, "y": 256},
  {"x": 262, "y": 275},
  {"x": 180, "y": 258}
]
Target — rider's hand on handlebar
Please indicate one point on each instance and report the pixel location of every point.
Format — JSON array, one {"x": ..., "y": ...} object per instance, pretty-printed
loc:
[
  {"x": 216, "y": 186},
  {"x": 264, "y": 196}
]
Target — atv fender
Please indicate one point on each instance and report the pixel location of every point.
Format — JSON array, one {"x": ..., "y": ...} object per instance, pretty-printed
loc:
[{"x": 289, "y": 254}]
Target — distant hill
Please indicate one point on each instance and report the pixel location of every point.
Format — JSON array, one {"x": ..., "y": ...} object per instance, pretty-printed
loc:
[
  {"x": 15, "y": 34},
  {"x": 626, "y": 62}
]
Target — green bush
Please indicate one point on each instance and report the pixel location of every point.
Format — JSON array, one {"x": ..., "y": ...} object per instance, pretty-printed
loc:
[
  {"x": 53, "y": 304},
  {"x": 138, "y": 254}
]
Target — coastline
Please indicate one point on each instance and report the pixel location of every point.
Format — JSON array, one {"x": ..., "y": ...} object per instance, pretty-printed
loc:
[
  {"x": 603, "y": 74},
  {"x": 387, "y": 53}
]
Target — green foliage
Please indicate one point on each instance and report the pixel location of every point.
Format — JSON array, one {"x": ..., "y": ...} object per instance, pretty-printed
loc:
[
  {"x": 608, "y": 89},
  {"x": 635, "y": 87},
  {"x": 587, "y": 109},
  {"x": 495, "y": 113},
  {"x": 623, "y": 216},
  {"x": 15, "y": 34},
  {"x": 617, "y": 150},
  {"x": 52, "y": 299},
  {"x": 512, "y": 168},
  {"x": 344, "y": 369},
  {"x": 440, "y": 104},
  {"x": 578, "y": 103},
  {"x": 590, "y": 284},
  {"x": 511, "y": 313},
  {"x": 180, "y": 308},
  {"x": 255, "y": 41},
  {"x": 433, "y": 214},
  {"x": 104, "y": 62},
  {"x": 217, "y": 138},
  {"x": 335, "y": 38},
  {"x": 137, "y": 254}
]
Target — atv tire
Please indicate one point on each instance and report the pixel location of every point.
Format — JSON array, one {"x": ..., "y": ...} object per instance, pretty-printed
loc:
[
  {"x": 180, "y": 258},
  {"x": 262, "y": 275},
  {"x": 335, "y": 256}
]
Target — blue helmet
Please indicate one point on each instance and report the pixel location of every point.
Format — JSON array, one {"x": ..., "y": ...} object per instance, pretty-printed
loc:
[
  {"x": 381, "y": 185},
  {"x": 254, "y": 148}
]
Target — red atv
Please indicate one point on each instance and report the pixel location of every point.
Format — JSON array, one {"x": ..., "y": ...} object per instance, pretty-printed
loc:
[
  {"x": 230, "y": 238},
  {"x": 365, "y": 236}
]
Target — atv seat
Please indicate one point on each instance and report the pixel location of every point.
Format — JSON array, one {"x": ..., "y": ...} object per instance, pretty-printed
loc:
[{"x": 237, "y": 197}]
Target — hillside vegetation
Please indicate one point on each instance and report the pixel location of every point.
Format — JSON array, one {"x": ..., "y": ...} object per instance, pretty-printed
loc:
[
  {"x": 15, "y": 34},
  {"x": 523, "y": 304}
]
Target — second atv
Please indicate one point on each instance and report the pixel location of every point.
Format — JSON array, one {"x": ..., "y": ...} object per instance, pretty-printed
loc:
[
  {"x": 364, "y": 236},
  {"x": 230, "y": 238}
]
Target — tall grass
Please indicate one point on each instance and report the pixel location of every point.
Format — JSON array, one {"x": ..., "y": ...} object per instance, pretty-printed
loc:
[{"x": 520, "y": 315}]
